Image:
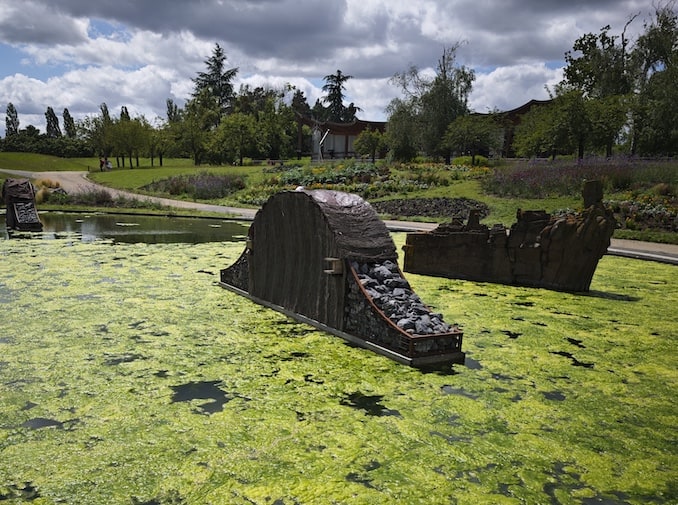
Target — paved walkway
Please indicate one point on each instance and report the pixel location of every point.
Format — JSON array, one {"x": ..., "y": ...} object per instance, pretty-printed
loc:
[{"x": 73, "y": 182}]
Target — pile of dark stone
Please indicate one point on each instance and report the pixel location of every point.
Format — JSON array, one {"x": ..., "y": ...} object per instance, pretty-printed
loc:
[
  {"x": 392, "y": 294},
  {"x": 432, "y": 207}
]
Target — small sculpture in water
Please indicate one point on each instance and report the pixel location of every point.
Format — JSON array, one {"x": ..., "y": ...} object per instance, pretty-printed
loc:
[
  {"x": 325, "y": 258},
  {"x": 19, "y": 197},
  {"x": 539, "y": 250}
]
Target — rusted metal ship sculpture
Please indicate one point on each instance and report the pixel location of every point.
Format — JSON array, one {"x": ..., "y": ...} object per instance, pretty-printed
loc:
[
  {"x": 539, "y": 250},
  {"x": 325, "y": 258},
  {"x": 19, "y": 198}
]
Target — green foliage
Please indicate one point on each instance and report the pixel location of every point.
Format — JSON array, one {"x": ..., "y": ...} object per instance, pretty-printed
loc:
[
  {"x": 201, "y": 186},
  {"x": 627, "y": 88},
  {"x": 336, "y": 111},
  {"x": 473, "y": 134},
  {"x": 11, "y": 120},
  {"x": 369, "y": 142},
  {"x": 430, "y": 105},
  {"x": 469, "y": 161},
  {"x": 216, "y": 82},
  {"x": 402, "y": 133},
  {"x": 52, "y": 124},
  {"x": 651, "y": 201}
]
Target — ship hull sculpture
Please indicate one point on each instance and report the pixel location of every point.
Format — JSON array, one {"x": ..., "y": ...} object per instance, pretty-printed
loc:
[
  {"x": 325, "y": 258},
  {"x": 19, "y": 197},
  {"x": 539, "y": 250}
]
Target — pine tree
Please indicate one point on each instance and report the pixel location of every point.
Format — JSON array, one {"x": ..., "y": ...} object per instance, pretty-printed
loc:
[
  {"x": 334, "y": 87},
  {"x": 218, "y": 81}
]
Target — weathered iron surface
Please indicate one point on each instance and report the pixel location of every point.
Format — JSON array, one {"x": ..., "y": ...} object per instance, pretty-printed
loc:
[
  {"x": 326, "y": 258},
  {"x": 19, "y": 197},
  {"x": 539, "y": 250}
]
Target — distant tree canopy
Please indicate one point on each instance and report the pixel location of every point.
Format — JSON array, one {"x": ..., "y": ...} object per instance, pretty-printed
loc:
[
  {"x": 430, "y": 105},
  {"x": 472, "y": 135},
  {"x": 617, "y": 95},
  {"x": 369, "y": 142}
]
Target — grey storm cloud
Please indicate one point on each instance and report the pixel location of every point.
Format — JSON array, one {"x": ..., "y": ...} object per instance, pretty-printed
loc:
[
  {"x": 79, "y": 53},
  {"x": 309, "y": 32}
]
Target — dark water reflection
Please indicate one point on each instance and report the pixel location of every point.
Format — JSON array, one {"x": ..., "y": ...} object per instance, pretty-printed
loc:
[{"x": 136, "y": 228}]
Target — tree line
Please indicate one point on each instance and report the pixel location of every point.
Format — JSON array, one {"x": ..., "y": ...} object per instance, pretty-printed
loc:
[{"x": 617, "y": 95}]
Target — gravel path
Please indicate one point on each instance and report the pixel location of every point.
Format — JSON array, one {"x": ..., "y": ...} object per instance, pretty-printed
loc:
[{"x": 74, "y": 182}]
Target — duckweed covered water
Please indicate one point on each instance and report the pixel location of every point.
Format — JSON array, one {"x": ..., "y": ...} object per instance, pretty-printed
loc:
[{"x": 127, "y": 376}]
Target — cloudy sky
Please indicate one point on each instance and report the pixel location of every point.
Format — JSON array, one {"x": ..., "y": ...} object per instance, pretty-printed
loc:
[{"x": 77, "y": 54}]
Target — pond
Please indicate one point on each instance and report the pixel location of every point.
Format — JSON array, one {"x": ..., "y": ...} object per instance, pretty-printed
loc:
[
  {"x": 129, "y": 376},
  {"x": 135, "y": 228}
]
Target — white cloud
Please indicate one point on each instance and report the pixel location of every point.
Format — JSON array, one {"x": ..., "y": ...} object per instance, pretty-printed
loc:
[
  {"x": 509, "y": 87},
  {"x": 79, "y": 53}
]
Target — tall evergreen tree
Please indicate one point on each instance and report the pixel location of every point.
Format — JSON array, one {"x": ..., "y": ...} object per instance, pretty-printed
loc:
[
  {"x": 334, "y": 87},
  {"x": 52, "y": 128},
  {"x": 69, "y": 125},
  {"x": 218, "y": 80},
  {"x": 11, "y": 121}
]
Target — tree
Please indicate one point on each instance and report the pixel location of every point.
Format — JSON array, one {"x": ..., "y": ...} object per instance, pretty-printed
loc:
[
  {"x": 173, "y": 111},
  {"x": 602, "y": 68},
  {"x": 436, "y": 102},
  {"x": 217, "y": 81},
  {"x": 536, "y": 135},
  {"x": 628, "y": 87},
  {"x": 402, "y": 130},
  {"x": 334, "y": 87},
  {"x": 602, "y": 72},
  {"x": 300, "y": 104},
  {"x": 130, "y": 136},
  {"x": 445, "y": 99},
  {"x": 236, "y": 137},
  {"x": 11, "y": 120},
  {"x": 98, "y": 131},
  {"x": 193, "y": 133},
  {"x": 124, "y": 113},
  {"x": 369, "y": 142},
  {"x": 300, "y": 108},
  {"x": 69, "y": 125},
  {"x": 472, "y": 133},
  {"x": 52, "y": 128},
  {"x": 607, "y": 117},
  {"x": 655, "y": 111}
]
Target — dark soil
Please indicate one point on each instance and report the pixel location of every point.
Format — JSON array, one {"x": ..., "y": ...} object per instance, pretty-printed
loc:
[{"x": 431, "y": 207}]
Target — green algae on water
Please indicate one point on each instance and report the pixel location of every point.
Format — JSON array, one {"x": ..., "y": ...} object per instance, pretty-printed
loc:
[{"x": 129, "y": 376}]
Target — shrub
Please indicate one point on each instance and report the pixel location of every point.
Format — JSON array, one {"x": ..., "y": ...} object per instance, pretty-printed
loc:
[
  {"x": 480, "y": 161},
  {"x": 538, "y": 179},
  {"x": 202, "y": 186}
]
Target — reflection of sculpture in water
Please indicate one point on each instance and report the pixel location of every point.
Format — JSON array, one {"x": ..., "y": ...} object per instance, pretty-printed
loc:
[
  {"x": 539, "y": 250},
  {"x": 19, "y": 197}
]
